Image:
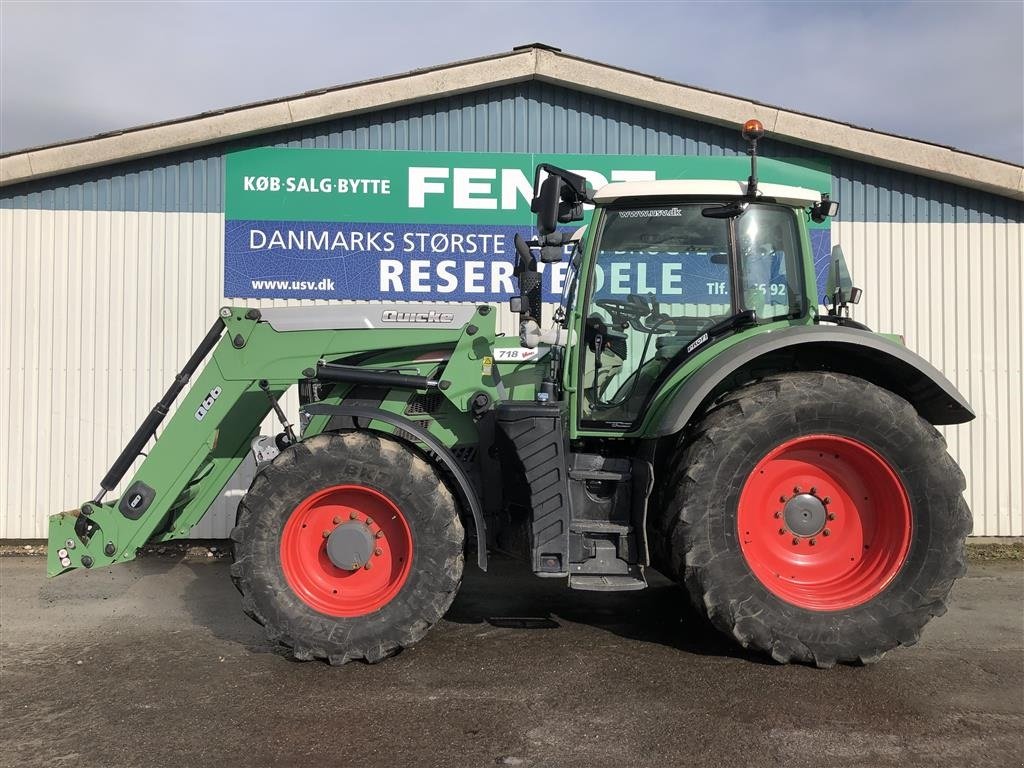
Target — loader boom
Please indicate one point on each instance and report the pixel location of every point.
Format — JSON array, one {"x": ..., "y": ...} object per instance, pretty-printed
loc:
[{"x": 208, "y": 435}]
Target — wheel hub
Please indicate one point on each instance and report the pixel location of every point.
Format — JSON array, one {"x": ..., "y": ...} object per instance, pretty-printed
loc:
[
  {"x": 350, "y": 546},
  {"x": 804, "y": 515}
]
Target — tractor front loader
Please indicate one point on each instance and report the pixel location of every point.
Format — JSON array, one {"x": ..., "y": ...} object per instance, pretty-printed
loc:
[{"x": 694, "y": 406}]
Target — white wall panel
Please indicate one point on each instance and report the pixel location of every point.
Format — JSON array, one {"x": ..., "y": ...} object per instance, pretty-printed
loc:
[
  {"x": 99, "y": 310},
  {"x": 952, "y": 291}
]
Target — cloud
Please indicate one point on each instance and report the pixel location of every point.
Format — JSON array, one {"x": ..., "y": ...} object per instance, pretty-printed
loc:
[{"x": 949, "y": 73}]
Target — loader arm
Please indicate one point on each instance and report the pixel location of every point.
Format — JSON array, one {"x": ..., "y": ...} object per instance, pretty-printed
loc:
[{"x": 251, "y": 364}]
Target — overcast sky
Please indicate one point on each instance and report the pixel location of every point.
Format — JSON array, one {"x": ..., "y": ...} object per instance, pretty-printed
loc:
[{"x": 948, "y": 72}]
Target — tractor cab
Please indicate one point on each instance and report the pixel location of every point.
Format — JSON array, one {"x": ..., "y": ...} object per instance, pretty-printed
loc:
[{"x": 668, "y": 269}]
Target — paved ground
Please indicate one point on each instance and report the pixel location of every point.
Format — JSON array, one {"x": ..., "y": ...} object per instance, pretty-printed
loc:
[{"x": 153, "y": 663}]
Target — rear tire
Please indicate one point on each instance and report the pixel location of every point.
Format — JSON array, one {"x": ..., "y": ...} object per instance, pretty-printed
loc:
[
  {"x": 753, "y": 552},
  {"x": 400, "y": 520}
]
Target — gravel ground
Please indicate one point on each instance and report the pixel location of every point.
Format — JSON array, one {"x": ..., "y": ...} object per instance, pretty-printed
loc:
[{"x": 153, "y": 663}]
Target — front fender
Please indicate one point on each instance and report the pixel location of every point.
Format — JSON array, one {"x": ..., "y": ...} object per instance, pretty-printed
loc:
[
  {"x": 842, "y": 349},
  {"x": 463, "y": 484}
]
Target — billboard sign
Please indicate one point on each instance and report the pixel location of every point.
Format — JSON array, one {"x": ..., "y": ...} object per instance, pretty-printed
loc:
[{"x": 415, "y": 226}]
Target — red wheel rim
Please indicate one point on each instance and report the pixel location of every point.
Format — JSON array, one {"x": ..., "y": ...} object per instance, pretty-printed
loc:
[
  {"x": 864, "y": 537},
  {"x": 320, "y": 583}
]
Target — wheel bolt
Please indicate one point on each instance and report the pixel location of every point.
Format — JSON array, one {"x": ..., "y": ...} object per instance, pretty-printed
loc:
[
  {"x": 795, "y": 541},
  {"x": 378, "y": 551},
  {"x": 796, "y": 489},
  {"x": 369, "y": 521},
  {"x": 777, "y": 514},
  {"x": 782, "y": 531},
  {"x": 353, "y": 515},
  {"x": 814, "y": 490},
  {"x": 813, "y": 542},
  {"x": 379, "y": 535},
  {"x": 368, "y": 566},
  {"x": 782, "y": 499},
  {"x": 831, "y": 515},
  {"x": 826, "y": 532},
  {"x": 327, "y": 534},
  {"x": 337, "y": 520},
  {"x": 826, "y": 500}
]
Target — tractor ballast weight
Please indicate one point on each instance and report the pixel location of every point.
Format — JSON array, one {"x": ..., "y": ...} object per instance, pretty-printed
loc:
[{"x": 777, "y": 460}]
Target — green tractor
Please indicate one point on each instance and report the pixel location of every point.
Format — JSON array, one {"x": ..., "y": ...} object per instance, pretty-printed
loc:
[{"x": 777, "y": 459}]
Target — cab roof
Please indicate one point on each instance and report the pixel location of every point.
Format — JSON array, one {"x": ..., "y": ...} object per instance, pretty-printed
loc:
[{"x": 781, "y": 193}]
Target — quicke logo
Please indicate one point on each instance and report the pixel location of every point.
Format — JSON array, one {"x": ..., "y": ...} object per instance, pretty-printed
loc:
[{"x": 394, "y": 316}]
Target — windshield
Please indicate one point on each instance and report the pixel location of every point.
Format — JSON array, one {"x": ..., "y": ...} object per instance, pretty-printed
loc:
[{"x": 663, "y": 277}]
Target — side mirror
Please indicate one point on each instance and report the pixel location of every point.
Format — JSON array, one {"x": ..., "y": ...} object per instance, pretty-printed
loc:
[
  {"x": 839, "y": 287},
  {"x": 568, "y": 212},
  {"x": 824, "y": 209},
  {"x": 551, "y": 254},
  {"x": 552, "y": 246},
  {"x": 838, "y": 274},
  {"x": 529, "y": 281},
  {"x": 559, "y": 198},
  {"x": 546, "y": 205}
]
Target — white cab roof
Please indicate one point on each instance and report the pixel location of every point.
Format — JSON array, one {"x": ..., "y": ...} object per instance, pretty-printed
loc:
[{"x": 781, "y": 193}]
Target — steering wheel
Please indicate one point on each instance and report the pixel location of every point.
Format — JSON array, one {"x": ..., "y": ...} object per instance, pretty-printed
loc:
[
  {"x": 637, "y": 313},
  {"x": 633, "y": 308}
]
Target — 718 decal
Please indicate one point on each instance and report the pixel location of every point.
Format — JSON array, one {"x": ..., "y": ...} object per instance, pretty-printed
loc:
[{"x": 518, "y": 355}]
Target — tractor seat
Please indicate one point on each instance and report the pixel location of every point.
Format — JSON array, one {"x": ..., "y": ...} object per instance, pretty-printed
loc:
[{"x": 667, "y": 347}]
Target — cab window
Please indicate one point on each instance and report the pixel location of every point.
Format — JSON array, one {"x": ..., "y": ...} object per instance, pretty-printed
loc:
[{"x": 662, "y": 277}]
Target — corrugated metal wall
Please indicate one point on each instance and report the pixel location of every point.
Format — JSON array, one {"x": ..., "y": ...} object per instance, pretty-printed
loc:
[{"x": 110, "y": 277}]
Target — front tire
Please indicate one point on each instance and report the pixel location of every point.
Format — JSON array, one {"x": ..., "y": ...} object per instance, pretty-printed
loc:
[
  {"x": 347, "y": 546},
  {"x": 815, "y": 517}
]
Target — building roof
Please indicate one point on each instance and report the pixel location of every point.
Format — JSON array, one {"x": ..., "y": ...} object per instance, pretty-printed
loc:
[{"x": 530, "y": 62}]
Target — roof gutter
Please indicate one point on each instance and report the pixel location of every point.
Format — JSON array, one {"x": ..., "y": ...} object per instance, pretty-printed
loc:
[
  {"x": 205, "y": 129},
  {"x": 832, "y": 137},
  {"x": 535, "y": 62}
]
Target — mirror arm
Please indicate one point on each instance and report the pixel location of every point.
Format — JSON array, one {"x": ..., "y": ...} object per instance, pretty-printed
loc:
[{"x": 573, "y": 181}]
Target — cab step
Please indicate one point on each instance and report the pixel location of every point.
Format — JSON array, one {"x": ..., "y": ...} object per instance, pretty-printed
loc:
[
  {"x": 606, "y": 583},
  {"x": 599, "y": 526}
]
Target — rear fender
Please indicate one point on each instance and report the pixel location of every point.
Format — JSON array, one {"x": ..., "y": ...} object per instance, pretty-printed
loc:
[{"x": 860, "y": 353}]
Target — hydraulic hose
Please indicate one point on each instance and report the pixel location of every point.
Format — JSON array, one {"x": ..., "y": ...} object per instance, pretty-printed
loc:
[{"x": 150, "y": 424}]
